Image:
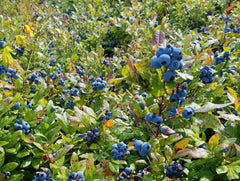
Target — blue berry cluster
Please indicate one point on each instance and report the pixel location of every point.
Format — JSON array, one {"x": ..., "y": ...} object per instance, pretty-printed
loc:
[
  {"x": 7, "y": 174},
  {"x": 180, "y": 96},
  {"x": 70, "y": 104},
  {"x": 92, "y": 135},
  {"x": 75, "y": 176},
  {"x": 78, "y": 38},
  {"x": 52, "y": 62},
  {"x": 80, "y": 70},
  {"x": 59, "y": 70},
  {"x": 51, "y": 44},
  {"x": 231, "y": 69},
  {"x": 220, "y": 58},
  {"x": 43, "y": 176},
  {"x": 12, "y": 73},
  {"x": 20, "y": 50},
  {"x": 152, "y": 117},
  {"x": 143, "y": 148},
  {"x": 171, "y": 58},
  {"x": 141, "y": 173},
  {"x": 113, "y": 43},
  {"x": 99, "y": 84},
  {"x": 107, "y": 114},
  {"x": 29, "y": 106},
  {"x": 22, "y": 125},
  {"x": 174, "y": 170},
  {"x": 106, "y": 63},
  {"x": 17, "y": 105},
  {"x": 42, "y": 73},
  {"x": 73, "y": 92},
  {"x": 34, "y": 77},
  {"x": 119, "y": 150},
  {"x": 61, "y": 82},
  {"x": 236, "y": 30},
  {"x": 206, "y": 74},
  {"x": 3, "y": 69},
  {"x": 188, "y": 112},
  {"x": 53, "y": 76},
  {"x": 173, "y": 112},
  {"x": 126, "y": 174}
]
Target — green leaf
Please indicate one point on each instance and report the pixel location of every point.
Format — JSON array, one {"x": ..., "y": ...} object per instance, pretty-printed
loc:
[
  {"x": 119, "y": 162},
  {"x": 141, "y": 162},
  {"x": 113, "y": 167},
  {"x": 136, "y": 109},
  {"x": 89, "y": 111},
  {"x": 17, "y": 177},
  {"x": 211, "y": 106},
  {"x": 74, "y": 162},
  {"x": 117, "y": 80},
  {"x": 23, "y": 153},
  {"x": 5, "y": 121},
  {"x": 63, "y": 151},
  {"x": 2, "y": 156},
  {"x": 171, "y": 139},
  {"x": 93, "y": 146},
  {"x": 9, "y": 167},
  {"x": 64, "y": 122},
  {"x": 2, "y": 143},
  {"x": 232, "y": 173},
  {"x": 156, "y": 87},
  {"x": 36, "y": 163},
  {"x": 14, "y": 138},
  {"x": 222, "y": 169},
  {"x": 13, "y": 102},
  {"x": 208, "y": 121},
  {"x": 26, "y": 163},
  {"x": 60, "y": 162}
]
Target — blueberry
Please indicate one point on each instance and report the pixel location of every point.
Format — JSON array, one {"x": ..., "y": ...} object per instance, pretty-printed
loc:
[
  {"x": 128, "y": 170},
  {"x": 158, "y": 120},
  {"x": 169, "y": 76},
  {"x": 138, "y": 145}
]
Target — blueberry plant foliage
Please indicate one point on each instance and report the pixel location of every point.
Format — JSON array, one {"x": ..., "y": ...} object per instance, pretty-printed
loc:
[{"x": 114, "y": 90}]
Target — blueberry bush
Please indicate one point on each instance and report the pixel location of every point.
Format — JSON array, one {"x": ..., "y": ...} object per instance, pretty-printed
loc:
[{"x": 119, "y": 90}]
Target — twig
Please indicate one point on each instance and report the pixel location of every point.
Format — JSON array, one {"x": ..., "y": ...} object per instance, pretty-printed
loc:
[{"x": 149, "y": 127}]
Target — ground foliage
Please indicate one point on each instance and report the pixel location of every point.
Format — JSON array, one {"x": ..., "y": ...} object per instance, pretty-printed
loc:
[{"x": 76, "y": 42}]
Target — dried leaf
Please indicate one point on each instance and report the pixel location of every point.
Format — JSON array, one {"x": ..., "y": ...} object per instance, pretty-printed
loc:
[{"x": 158, "y": 38}]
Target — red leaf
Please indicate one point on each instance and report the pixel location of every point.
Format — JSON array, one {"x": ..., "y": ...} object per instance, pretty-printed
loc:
[
  {"x": 229, "y": 8},
  {"x": 154, "y": 16},
  {"x": 158, "y": 37}
]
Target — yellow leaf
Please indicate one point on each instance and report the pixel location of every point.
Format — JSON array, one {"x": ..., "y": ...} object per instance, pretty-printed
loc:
[
  {"x": 208, "y": 61},
  {"x": 125, "y": 59},
  {"x": 6, "y": 56},
  {"x": 125, "y": 71},
  {"x": 214, "y": 86},
  {"x": 28, "y": 30},
  {"x": 7, "y": 92},
  {"x": 44, "y": 101},
  {"x": 237, "y": 105},
  {"x": 232, "y": 92},
  {"x": 214, "y": 140},
  {"x": 108, "y": 125},
  {"x": 181, "y": 145},
  {"x": 220, "y": 92},
  {"x": 164, "y": 21},
  {"x": 196, "y": 136},
  {"x": 20, "y": 40}
]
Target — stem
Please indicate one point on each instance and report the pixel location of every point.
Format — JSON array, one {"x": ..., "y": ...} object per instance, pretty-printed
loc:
[{"x": 149, "y": 127}]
